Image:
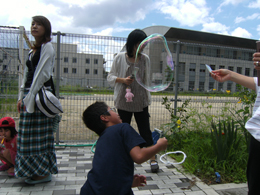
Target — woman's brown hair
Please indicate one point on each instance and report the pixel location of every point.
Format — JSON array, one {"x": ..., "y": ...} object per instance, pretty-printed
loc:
[{"x": 47, "y": 26}]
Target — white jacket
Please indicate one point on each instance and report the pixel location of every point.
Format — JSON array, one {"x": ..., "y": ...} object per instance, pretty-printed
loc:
[
  {"x": 42, "y": 74},
  {"x": 118, "y": 69}
]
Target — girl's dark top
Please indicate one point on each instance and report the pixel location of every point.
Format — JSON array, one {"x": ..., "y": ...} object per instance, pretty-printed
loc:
[{"x": 32, "y": 64}]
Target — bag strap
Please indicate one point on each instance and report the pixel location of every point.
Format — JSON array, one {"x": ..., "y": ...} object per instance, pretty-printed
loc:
[{"x": 52, "y": 86}]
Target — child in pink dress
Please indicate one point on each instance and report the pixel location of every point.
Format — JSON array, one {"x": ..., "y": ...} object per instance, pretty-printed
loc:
[{"x": 8, "y": 154}]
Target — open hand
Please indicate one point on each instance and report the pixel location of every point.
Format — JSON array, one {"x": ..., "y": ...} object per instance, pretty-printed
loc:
[{"x": 139, "y": 180}]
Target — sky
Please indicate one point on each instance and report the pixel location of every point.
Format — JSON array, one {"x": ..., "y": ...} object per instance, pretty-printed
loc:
[{"x": 240, "y": 18}]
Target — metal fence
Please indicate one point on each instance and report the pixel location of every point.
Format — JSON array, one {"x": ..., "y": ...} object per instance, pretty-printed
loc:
[{"x": 82, "y": 65}]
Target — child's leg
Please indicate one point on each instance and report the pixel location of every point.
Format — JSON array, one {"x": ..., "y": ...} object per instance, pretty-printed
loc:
[{"x": 6, "y": 156}]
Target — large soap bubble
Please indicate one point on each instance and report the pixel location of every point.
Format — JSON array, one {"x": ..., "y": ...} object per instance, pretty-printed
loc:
[{"x": 153, "y": 64}]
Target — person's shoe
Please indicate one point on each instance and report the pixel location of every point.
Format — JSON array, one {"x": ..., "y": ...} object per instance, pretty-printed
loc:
[
  {"x": 11, "y": 174},
  {"x": 31, "y": 181},
  {"x": 4, "y": 167},
  {"x": 154, "y": 166}
]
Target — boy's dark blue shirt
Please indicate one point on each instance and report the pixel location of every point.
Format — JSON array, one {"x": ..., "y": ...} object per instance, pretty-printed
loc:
[{"x": 113, "y": 167}]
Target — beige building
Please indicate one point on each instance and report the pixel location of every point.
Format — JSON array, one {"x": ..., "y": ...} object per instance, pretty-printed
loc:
[{"x": 200, "y": 48}]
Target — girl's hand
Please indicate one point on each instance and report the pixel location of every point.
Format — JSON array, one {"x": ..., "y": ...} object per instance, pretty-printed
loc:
[
  {"x": 128, "y": 80},
  {"x": 221, "y": 75}
]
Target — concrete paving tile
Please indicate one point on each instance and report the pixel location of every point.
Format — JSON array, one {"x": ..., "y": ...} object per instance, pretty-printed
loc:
[
  {"x": 32, "y": 188},
  {"x": 143, "y": 192},
  {"x": 233, "y": 191},
  {"x": 42, "y": 193},
  {"x": 160, "y": 191},
  {"x": 155, "y": 182},
  {"x": 171, "y": 181},
  {"x": 228, "y": 186},
  {"x": 148, "y": 187},
  {"x": 176, "y": 190},
  {"x": 183, "y": 184},
  {"x": 195, "y": 193},
  {"x": 210, "y": 192},
  {"x": 162, "y": 186},
  {"x": 19, "y": 193},
  {"x": 65, "y": 183},
  {"x": 68, "y": 187},
  {"x": 64, "y": 192},
  {"x": 5, "y": 190}
]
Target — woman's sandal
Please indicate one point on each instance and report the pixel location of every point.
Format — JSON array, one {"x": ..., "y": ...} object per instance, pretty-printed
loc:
[{"x": 154, "y": 166}]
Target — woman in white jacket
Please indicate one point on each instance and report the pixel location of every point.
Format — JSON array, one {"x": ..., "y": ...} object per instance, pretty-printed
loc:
[{"x": 36, "y": 158}]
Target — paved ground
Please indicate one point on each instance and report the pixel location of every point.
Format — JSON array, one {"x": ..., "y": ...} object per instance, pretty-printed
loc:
[{"x": 75, "y": 162}]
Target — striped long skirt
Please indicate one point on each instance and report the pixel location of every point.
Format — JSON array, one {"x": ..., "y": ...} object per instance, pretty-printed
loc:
[{"x": 35, "y": 145}]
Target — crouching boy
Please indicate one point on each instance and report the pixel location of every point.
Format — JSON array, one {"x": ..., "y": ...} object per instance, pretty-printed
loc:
[{"x": 117, "y": 148}]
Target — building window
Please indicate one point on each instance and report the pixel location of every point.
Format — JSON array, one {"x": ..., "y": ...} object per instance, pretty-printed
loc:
[
  {"x": 53, "y": 70},
  {"x": 220, "y": 86},
  {"x": 247, "y": 71},
  {"x": 87, "y": 71},
  {"x": 239, "y": 70},
  {"x": 87, "y": 60},
  {"x": 161, "y": 66},
  {"x": 95, "y": 71},
  {"x": 191, "y": 85},
  {"x": 213, "y": 67},
  {"x": 181, "y": 68},
  {"x": 4, "y": 55},
  {"x": 201, "y": 86},
  {"x": 234, "y": 54},
  {"x": 255, "y": 73},
  {"x": 192, "y": 69},
  {"x": 65, "y": 70},
  {"x": 74, "y": 60},
  {"x": 211, "y": 85},
  {"x": 229, "y": 86},
  {"x": 221, "y": 67},
  {"x": 95, "y": 61},
  {"x": 231, "y": 68},
  {"x": 74, "y": 70},
  {"x": 66, "y": 59},
  {"x": 17, "y": 68},
  {"x": 4, "y": 67}
]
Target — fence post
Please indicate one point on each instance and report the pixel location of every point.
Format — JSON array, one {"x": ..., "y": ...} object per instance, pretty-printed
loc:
[
  {"x": 176, "y": 76},
  {"x": 21, "y": 56},
  {"x": 57, "y": 86}
]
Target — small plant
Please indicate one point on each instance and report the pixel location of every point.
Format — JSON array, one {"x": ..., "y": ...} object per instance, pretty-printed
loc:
[
  {"x": 224, "y": 139},
  {"x": 177, "y": 123},
  {"x": 241, "y": 116}
]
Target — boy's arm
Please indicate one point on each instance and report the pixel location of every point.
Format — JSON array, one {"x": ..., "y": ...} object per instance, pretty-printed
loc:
[{"x": 140, "y": 155}]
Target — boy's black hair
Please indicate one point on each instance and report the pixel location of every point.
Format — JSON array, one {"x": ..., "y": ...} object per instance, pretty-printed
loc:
[
  {"x": 91, "y": 117},
  {"x": 135, "y": 37}
]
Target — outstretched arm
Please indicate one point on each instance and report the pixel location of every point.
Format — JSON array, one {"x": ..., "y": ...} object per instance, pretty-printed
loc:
[
  {"x": 140, "y": 155},
  {"x": 223, "y": 75}
]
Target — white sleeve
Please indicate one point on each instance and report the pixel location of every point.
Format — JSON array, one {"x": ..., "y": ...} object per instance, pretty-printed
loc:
[{"x": 114, "y": 72}]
